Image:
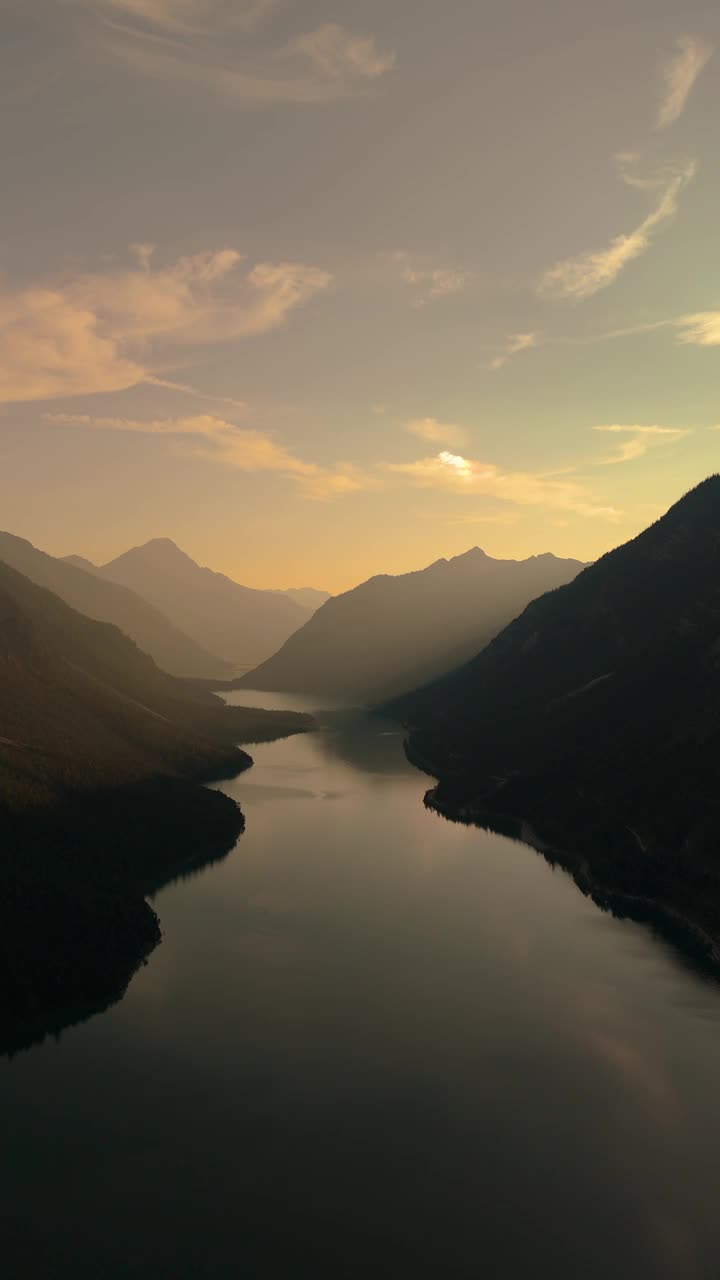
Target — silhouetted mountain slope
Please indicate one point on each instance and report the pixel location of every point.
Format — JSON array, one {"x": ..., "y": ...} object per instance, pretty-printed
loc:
[
  {"x": 100, "y": 754},
  {"x": 82, "y": 708},
  {"x": 392, "y": 633},
  {"x": 596, "y": 714},
  {"x": 239, "y": 624},
  {"x": 85, "y": 591}
]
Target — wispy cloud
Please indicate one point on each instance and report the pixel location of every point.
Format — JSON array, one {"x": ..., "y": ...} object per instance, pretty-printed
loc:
[
  {"x": 429, "y": 283},
  {"x": 640, "y": 440},
  {"x": 185, "y": 16},
  {"x": 586, "y": 274},
  {"x": 245, "y": 449},
  {"x": 206, "y": 45},
  {"x": 700, "y": 329},
  {"x": 438, "y": 432},
  {"x": 169, "y": 15},
  {"x": 517, "y": 342},
  {"x": 458, "y": 474},
  {"x": 112, "y": 330},
  {"x": 336, "y": 53},
  {"x": 609, "y": 335},
  {"x": 679, "y": 74}
]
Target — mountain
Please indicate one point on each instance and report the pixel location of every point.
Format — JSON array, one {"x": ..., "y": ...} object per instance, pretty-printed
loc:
[
  {"x": 105, "y": 602},
  {"x": 393, "y": 633},
  {"x": 595, "y": 716},
  {"x": 100, "y": 757},
  {"x": 80, "y": 563},
  {"x": 241, "y": 625},
  {"x": 307, "y": 597},
  {"x": 83, "y": 709}
]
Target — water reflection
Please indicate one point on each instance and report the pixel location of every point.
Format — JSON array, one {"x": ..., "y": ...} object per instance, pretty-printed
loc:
[{"x": 374, "y": 1043}]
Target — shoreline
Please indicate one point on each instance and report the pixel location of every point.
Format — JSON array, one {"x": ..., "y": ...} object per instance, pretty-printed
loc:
[
  {"x": 76, "y": 876},
  {"x": 673, "y": 924},
  {"x": 75, "y": 920},
  {"x": 577, "y": 853}
]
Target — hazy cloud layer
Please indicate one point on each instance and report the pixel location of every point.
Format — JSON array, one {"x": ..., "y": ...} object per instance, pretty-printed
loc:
[
  {"x": 679, "y": 75},
  {"x": 586, "y": 274},
  {"x": 112, "y": 330}
]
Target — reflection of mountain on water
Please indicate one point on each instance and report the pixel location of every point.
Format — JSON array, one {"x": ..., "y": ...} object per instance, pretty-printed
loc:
[
  {"x": 82, "y": 875},
  {"x": 369, "y": 743}
]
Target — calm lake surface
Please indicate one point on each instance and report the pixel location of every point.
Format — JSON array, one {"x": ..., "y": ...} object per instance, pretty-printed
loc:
[{"x": 373, "y": 1044}]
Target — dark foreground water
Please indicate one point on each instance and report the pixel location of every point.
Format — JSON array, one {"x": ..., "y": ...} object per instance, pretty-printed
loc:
[{"x": 373, "y": 1044}]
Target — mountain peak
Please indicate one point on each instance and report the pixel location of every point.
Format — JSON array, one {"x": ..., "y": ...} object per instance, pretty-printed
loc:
[{"x": 157, "y": 552}]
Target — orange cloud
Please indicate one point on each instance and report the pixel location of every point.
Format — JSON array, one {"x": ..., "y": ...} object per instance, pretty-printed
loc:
[{"x": 109, "y": 331}]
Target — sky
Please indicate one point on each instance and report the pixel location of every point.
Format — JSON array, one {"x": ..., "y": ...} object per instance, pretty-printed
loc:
[{"x": 322, "y": 289}]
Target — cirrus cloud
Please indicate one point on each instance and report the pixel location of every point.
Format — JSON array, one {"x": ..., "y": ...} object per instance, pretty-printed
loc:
[
  {"x": 516, "y": 343},
  {"x": 112, "y": 330},
  {"x": 469, "y": 476},
  {"x": 700, "y": 329},
  {"x": 679, "y": 75},
  {"x": 641, "y": 439},
  {"x": 213, "y": 439},
  {"x": 206, "y": 45},
  {"x": 336, "y": 52},
  {"x": 582, "y": 276}
]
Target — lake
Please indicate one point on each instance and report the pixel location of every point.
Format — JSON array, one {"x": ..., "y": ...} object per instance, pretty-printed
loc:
[{"x": 373, "y": 1044}]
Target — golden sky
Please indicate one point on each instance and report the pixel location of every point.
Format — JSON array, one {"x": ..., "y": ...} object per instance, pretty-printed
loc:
[{"x": 323, "y": 289}]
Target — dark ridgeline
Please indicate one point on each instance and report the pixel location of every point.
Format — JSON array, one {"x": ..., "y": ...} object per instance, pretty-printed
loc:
[
  {"x": 595, "y": 716},
  {"x": 101, "y": 754},
  {"x": 239, "y": 624},
  {"x": 390, "y": 634},
  {"x": 77, "y": 583}
]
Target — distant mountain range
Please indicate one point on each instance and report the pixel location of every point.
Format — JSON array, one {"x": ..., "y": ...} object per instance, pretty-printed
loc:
[
  {"x": 104, "y": 601},
  {"x": 239, "y": 625},
  {"x": 306, "y": 597},
  {"x": 391, "y": 634},
  {"x": 595, "y": 716}
]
